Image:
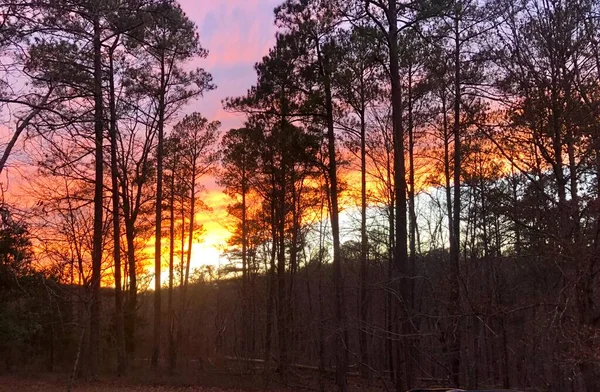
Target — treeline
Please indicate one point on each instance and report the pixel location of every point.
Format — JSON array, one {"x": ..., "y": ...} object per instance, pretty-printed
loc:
[
  {"x": 473, "y": 258},
  {"x": 96, "y": 87},
  {"x": 414, "y": 192}
]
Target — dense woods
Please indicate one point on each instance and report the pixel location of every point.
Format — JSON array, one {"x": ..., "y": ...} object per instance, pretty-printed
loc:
[{"x": 413, "y": 195}]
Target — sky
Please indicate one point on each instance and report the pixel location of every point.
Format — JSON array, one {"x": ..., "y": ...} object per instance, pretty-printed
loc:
[{"x": 237, "y": 34}]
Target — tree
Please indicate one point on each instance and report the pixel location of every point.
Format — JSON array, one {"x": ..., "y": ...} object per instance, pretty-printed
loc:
[
  {"x": 173, "y": 169},
  {"x": 197, "y": 139},
  {"x": 169, "y": 39},
  {"x": 541, "y": 82},
  {"x": 17, "y": 27},
  {"x": 114, "y": 177},
  {"x": 25, "y": 306},
  {"x": 286, "y": 153},
  {"x": 312, "y": 24},
  {"x": 237, "y": 173},
  {"x": 86, "y": 18},
  {"x": 357, "y": 85},
  {"x": 393, "y": 18}
]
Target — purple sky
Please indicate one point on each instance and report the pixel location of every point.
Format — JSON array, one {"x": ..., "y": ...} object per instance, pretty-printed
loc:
[{"x": 237, "y": 33}]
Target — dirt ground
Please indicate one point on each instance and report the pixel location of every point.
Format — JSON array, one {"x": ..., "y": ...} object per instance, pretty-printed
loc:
[
  {"x": 55, "y": 383},
  {"x": 14, "y": 384},
  {"x": 201, "y": 381}
]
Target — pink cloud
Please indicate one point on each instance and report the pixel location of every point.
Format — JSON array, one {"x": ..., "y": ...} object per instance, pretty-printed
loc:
[
  {"x": 234, "y": 31},
  {"x": 237, "y": 33}
]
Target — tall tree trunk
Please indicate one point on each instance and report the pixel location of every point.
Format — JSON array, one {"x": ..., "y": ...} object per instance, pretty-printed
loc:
[
  {"x": 119, "y": 322},
  {"x": 280, "y": 217},
  {"x": 455, "y": 239},
  {"x": 131, "y": 304},
  {"x": 282, "y": 304},
  {"x": 402, "y": 286},
  {"x": 94, "y": 351},
  {"x": 188, "y": 259},
  {"x": 341, "y": 334},
  {"x": 158, "y": 232},
  {"x": 294, "y": 249},
  {"x": 412, "y": 352},
  {"x": 411, "y": 192},
  {"x": 363, "y": 271},
  {"x": 182, "y": 264},
  {"x": 191, "y": 230},
  {"x": 130, "y": 213},
  {"x": 321, "y": 323},
  {"x": 247, "y": 328},
  {"x": 389, "y": 342},
  {"x": 271, "y": 281},
  {"x": 171, "y": 312},
  {"x": 447, "y": 177}
]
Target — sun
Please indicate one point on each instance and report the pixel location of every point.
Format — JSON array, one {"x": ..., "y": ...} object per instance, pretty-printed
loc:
[
  {"x": 215, "y": 222},
  {"x": 209, "y": 250}
]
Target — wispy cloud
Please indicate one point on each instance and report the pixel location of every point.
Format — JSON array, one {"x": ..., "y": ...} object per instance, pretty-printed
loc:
[{"x": 237, "y": 33}]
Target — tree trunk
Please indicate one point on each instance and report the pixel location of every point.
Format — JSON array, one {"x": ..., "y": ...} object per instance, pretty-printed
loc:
[
  {"x": 282, "y": 307},
  {"x": 280, "y": 219},
  {"x": 131, "y": 305},
  {"x": 296, "y": 197},
  {"x": 94, "y": 350},
  {"x": 188, "y": 259},
  {"x": 247, "y": 328},
  {"x": 400, "y": 270},
  {"x": 119, "y": 323},
  {"x": 455, "y": 239},
  {"x": 363, "y": 272},
  {"x": 191, "y": 230},
  {"x": 412, "y": 352},
  {"x": 158, "y": 232},
  {"x": 341, "y": 334},
  {"x": 271, "y": 283},
  {"x": 447, "y": 186},
  {"x": 182, "y": 263},
  {"x": 171, "y": 312}
]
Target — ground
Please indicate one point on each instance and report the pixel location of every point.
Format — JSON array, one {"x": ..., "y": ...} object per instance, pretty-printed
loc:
[
  {"x": 59, "y": 383},
  {"x": 214, "y": 380},
  {"x": 13, "y": 384}
]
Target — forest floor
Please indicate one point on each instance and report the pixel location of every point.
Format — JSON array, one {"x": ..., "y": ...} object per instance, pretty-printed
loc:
[
  {"x": 215, "y": 382},
  {"x": 59, "y": 383}
]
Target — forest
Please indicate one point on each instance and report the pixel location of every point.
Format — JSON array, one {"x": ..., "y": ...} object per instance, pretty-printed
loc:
[{"x": 412, "y": 197}]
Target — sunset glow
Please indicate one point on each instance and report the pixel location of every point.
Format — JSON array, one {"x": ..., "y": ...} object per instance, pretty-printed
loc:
[{"x": 310, "y": 195}]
